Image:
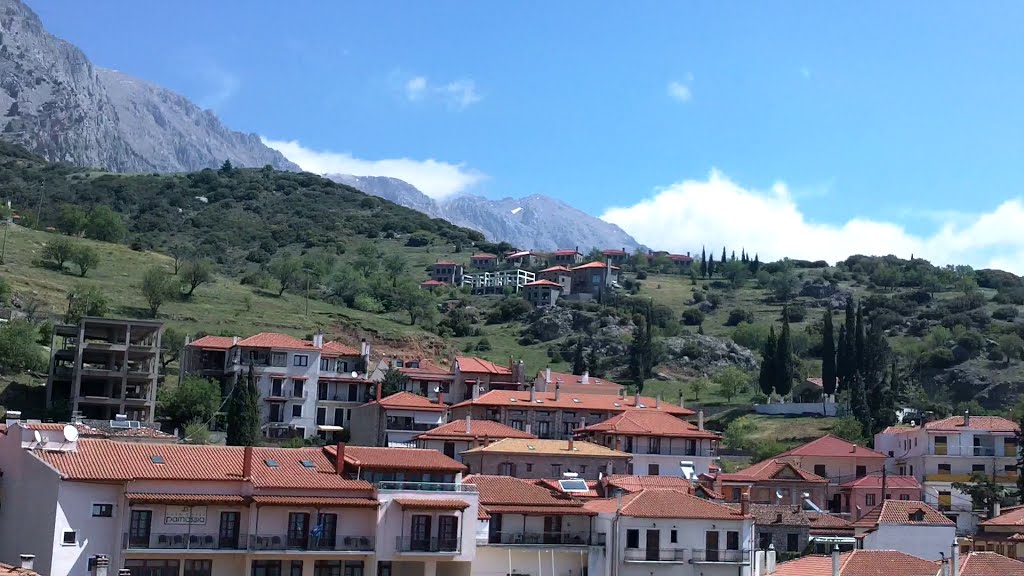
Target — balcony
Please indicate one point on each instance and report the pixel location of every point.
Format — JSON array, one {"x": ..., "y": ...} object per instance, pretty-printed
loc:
[
  {"x": 276, "y": 542},
  {"x": 399, "y": 486},
  {"x": 655, "y": 555},
  {"x": 720, "y": 556},
  {"x": 408, "y": 545},
  {"x": 181, "y": 541},
  {"x": 411, "y": 426},
  {"x": 946, "y": 477},
  {"x": 544, "y": 538}
]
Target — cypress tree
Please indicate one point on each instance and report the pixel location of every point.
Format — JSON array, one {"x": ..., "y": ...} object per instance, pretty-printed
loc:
[
  {"x": 766, "y": 377},
  {"x": 593, "y": 364},
  {"x": 732, "y": 256},
  {"x": 859, "y": 403},
  {"x": 757, "y": 264},
  {"x": 828, "y": 355},
  {"x": 703, "y": 263},
  {"x": 785, "y": 365},
  {"x": 849, "y": 351},
  {"x": 858, "y": 341},
  {"x": 244, "y": 412},
  {"x": 842, "y": 368},
  {"x": 579, "y": 365},
  {"x": 711, "y": 265},
  {"x": 723, "y": 254},
  {"x": 649, "y": 342}
]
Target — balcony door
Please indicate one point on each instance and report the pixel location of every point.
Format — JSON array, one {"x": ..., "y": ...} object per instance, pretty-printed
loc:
[
  {"x": 552, "y": 529},
  {"x": 419, "y": 536},
  {"x": 227, "y": 537},
  {"x": 711, "y": 546},
  {"x": 653, "y": 544},
  {"x": 326, "y": 531},
  {"x": 139, "y": 524},
  {"x": 448, "y": 533},
  {"x": 298, "y": 528}
]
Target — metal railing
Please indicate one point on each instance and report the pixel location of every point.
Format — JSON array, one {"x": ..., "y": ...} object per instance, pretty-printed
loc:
[
  {"x": 411, "y": 426},
  {"x": 179, "y": 541},
  {"x": 723, "y": 556},
  {"x": 534, "y": 538},
  {"x": 433, "y": 545},
  {"x": 655, "y": 555},
  {"x": 324, "y": 543},
  {"x": 401, "y": 486}
]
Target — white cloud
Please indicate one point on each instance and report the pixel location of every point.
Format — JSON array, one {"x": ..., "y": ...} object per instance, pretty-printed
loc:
[
  {"x": 434, "y": 178},
  {"x": 457, "y": 94},
  {"x": 717, "y": 211},
  {"x": 679, "y": 91}
]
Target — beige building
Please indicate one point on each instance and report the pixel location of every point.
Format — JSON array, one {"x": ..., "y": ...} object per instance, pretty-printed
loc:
[
  {"x": 542, "y": 292},
  {"x": 529, "y": 458}
]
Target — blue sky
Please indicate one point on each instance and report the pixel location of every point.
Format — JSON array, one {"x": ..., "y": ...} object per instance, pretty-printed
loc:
[{"x": 690, "y": 118}]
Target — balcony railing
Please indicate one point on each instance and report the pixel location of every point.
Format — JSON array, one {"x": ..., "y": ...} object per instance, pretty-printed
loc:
[
  {"x": 655, "y": 555},
  {"x": 536, "y": 538},
  {"x": 412, "y": 426},
  {"x": 181, "y": 541},
  {"x": 721, "y": 556},
  {"x": 980, "y": 451},
  {"x": 947, "y": 477},
  {"x": 400, "y": 486},
  {"x": 428, "y": 545},
  {"x": 311, "y": 543}
]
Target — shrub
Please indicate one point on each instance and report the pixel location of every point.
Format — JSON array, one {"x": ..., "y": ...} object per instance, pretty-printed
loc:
[
  {"x": 641, "y": 274},
  {"x": 966, "y": 302},
  {"x": 939, "y": 358},
  {"x": 85, "y": 257},
  {"x": 715, "y": 299},
  {"x": 751, "y": 336},
  {"x": 58, "y": 251},
  {"x": 795, "y": 313},
  {"x": 418, "y": 239},
  {"x": 18, "y": 349},
  {"x": 259, "y": 279},
  {"x": 1006, "y": 313},
  {"x": 367, "y": 303},
  {"x": 698, "y": 296},
  {"x": 693, "y": 317},
  {"x": 738, "y": 316},
  {"x": 483, "y": 345},
  {"x": 971, "y": 341}
]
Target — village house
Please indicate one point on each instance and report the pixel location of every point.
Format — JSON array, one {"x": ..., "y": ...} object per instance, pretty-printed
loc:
[
  {"x": 409, "y": 468},
  {"x": 559, "y": 275},
  {"x": 454, "y": 438},
  {"x": 448, "y": 272},
  {"x": 425, "y": 377},
  {"x": 949, "y": 450},
  {"x": 682, "y": 261},
  {"x": 542, "y": 292},
  {"x": 566, "y": 257},
  {"x": 611, "y": 485},
  {"x": 616, "y": 256},
  {"x": 498, "y": 281},
  {"x": 660, "y": 443},
  {"x": 523, "y": 259},
  {"x": 483, "y": 261},
  {"x": 840, "y": 461},
  {"x": 771, "y": 482},
  {"x": 594, "y": 278},
  {"x": 538, "y": 458},
  {"x": 858, "y": 563},
  {"x": 907, "y": 526},
  {"x": 554, "y": 414},
  {"x": 861, "y": 495},
  {"x": 432, "y": 285},
  {"x": 547, "y": 379},
  {"x": 1002, "y": 534},
  {"x": 395, "y": 420},
  {"x": 474, "y": 376}
]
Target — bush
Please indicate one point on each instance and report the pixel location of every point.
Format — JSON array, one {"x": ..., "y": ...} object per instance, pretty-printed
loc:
[
  {"x": 259, "y": 279},
  {"x": 738, "y": 316},
  {"x": 190, "y": 400},
  {"x": 58, "y": 251},
  {"x": 795, "y": 313},
  {"x": 715, "y": 299},
  {"x": 971, "y": 341},
  {"x": 966, "y": 302},
  {"x": 85, "y": 257},
  {"x": 693, "y": 317},
  {"x": 418, "y": 239},
  {"x": 85, "y": 301},
  {"x": 751, "y": 336},
  {"x": 766, "y": 449},
  {"x": 367, "y": 303},
  {"x": 484, "y": 345},
  {"x": 18, "y": 349},
  {"x": 698, "y": 296},
  {"x": 641, "y": 274},
  {"x": 939, "y": 358},
  {"x": 1005, "y": 313}
]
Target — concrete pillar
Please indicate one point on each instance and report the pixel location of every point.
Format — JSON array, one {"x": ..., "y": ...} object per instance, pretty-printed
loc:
[
  {"x": 430, "y": 568},
  {"x": 370, "y": 566}
]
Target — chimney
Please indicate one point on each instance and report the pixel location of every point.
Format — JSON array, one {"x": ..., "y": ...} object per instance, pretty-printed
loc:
[
  {"x": 636, "y": 398},
  {"x": 339, "y": 461},
  {"x": 27, "y": 561},
  {"x": 318, "y": 340},
  {"x": 954, "y": 559},
  {"x": 996, "y": 509},
  {"x": 682, "y": 401},
  {"x": 570, "y": 443},
  {"x": 585, "y": 378},
  {"x": 100, "y": 565},
  {"x": 657, "y": 401},
  {"x": 853, "y": 448},
  {"x": 700, "y": 420},
  {"x": 234, "y": 340},
  {"x": 608, "y": 469},
  {"x": 476, "y": 389},
  {"x": 440, "y": 397},
  {"x": 469, "y": 423},
  {"x": 967, "y": 417},
  {"x": 247, "y": 462},
  {"x": 380, "y": 388},
  {"x": 13, "y": 417},
  {"x": 944, "y": 564},
  {"x": 835, "y": 561},
  {"x": 533, "y": 394},
  {"x": 745, "y": 503},
  {"x": 547, "y": 375},
  {"x": 558, "y": 389}
]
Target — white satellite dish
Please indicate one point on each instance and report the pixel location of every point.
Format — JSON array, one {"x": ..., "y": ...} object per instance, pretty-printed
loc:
[
  {"x": 437, "y": 389},
  {"x": 70, "y": 433},
  {"x": 778, "y": 494},
  {"x": 37, "y": 436},
  {"x": 355, "y": 374}
]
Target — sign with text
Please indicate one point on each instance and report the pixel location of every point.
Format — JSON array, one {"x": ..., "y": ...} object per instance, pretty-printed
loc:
[{"x": 183, "y": 515}]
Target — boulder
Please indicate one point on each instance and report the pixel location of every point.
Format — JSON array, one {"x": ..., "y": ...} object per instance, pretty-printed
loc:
[{"x": 704, "y": 354}]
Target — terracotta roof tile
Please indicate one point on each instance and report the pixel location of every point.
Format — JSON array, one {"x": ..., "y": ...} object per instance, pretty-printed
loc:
[
  {"x": 43, "y": 426},
  {"x": 638, "y": 483},
  {"x": 665, "y": 503},
  {"x": 990, "y": 423},
  {"x": 8, "y": 570},
  {"x": 213, "y": 342},
  {"x": 163, "y": 498},
  {"x": 555, "y": 269},
  {"x": 472, "y": 364},
  {"x": 573, "y": 383},
  {"x": 989, "y": 564},
  {"x": 826, "y": 524},
  {"x": 483, "y": 255},
  {"x": 274, "y": 340},
  {"x": 1012, "y": 518},
  {"x": 445, "y": 263},
  {"x": 509, "y": 491},
  {"x": 649, "y": 423},
  {"x": 875, "y": 481},
  {"x": 898, "y": 429},
  {"x": 680, "y": 258},
  {"x": 542, "y": 510},
  {"x": 614, "y": 252},
  {"x": 427, "y": 369},
  {"x": 592, "y": 265},
  {"x": 456, "y": 430},
  {"x": 549, "y": 447},
  {"x": 860, "y": 563},
  {"x": 903, "y": 513},
  {"x": 553, "y": 485},
  {"x": 334, "y": 349},
  {"x": 775, "y": 514},
  {"x": 543, "y": 283},
  {"x": 831, "y": 446},
  {"x": 375, "y": 458},
  {"x": 433, "y": 283},
  {"x": 566, "y": 252},
  {"x": 432, "y": 504},
  {"x": 335, "y": 501},
  {"x": 587, "y": 402},
  {"x": 409, "y": 400},
  {"x": 772, "y": 470}
]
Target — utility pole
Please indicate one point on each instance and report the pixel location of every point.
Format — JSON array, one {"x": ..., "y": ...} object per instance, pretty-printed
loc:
[{"x": 3, "y": 247}]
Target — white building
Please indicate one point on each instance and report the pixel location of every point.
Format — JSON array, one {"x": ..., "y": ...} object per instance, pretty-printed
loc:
[
  {"x": 910, "y": 527},
  {"x": 946, "y": 451},
  {"x": 657, "y": 532},
  {"x": 498, "y": 281}
]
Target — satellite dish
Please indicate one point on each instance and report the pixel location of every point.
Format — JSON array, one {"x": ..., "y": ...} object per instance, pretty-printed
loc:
[
  {"x": 778, "y": 494},
  {"x": 70, "y": 433},
  {"x": 355, "y": 374},
  {"x": 37, "y": 436},
  {"x": 437, "y": 389}
]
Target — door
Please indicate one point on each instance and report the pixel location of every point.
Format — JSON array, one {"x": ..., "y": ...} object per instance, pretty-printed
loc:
[
  {"x": 837, "y": 504},
  {"x": 139, "y": 524},
  {"x": 228, "y": 535},
  {"x": 297, "y": 388},
  {"x": 711, "y": 546},
  {"x": 321, "y": 416},
  {"x": 494, "y": 530},
  {"x": 275, "y": 413},
  {"x": 326, "y": 531},
  {"x": 653, "y": 544},
  {"x": 339, "y": 416},
  {"x": 298, "y": 528},
  {"x": 448, "y": 533},
  {"x": 276, "y": 388},
  {"x": 419, "y": 537},
  {"x": 449, "y": 450},
  {"x": 353, "y": 392},
  {"x": 552, "y": 529}
]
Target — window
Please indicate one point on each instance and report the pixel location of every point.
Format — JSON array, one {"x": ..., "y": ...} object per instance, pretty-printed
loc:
[
  {"x": 325, "y": 365},
  {"x": 556, "y": 470},
  {"x": 652, "y": 469},
  {"x": 764, "y": 540},
  {"x": 342, "y": 366},
  {"x": 266, "y": 568},
  {"x": 904, "y": 496},
  {"x": 732, "y": 540},
  {"x": 736, "y": 495},
  {"x": 862, "y": 471},
  {"x": 297, "y": 388},
  {"x": 529, "y": 467},
  {"x": 152, "y": 567},
  {"x": 632, "y": 538},
  {"x": 102, "y": 510},
  {"x": 869, "y": 499},
  {"x": 582, "y": 469},
  {"x": 517, "y": 424},
  {"x": 506, "y": 469},
  {"x": 278, "y": 359},
  {"x": 792, "y": 542},
  {"x": 277, "y": 387},
  {"x": 296, "y": 568},
  {"x": 654, "y": 445},
  {"x": 977, "y": 468},
  {"x": 198, "y": 567},
  {"x": 448, "y": 532},
  {"x": 945, "y": 500},
  {"x": 940, "y": 445},
  {"x": 944, "y": 469},
  {"x": 70, "y": 538},
  {"x": 298, "y": 528},
  {"x": 673, "y": 536},
  {"x": 819, "y": 469},
  {"x": 1009, "y": 468},
  {"x": 300, "y": 360},
  {"x": 911, "y": 469},
  {"x": 321, "y": 416},
  {"x": 544, "y": 429},
  {"x": 297, "y": 411}
]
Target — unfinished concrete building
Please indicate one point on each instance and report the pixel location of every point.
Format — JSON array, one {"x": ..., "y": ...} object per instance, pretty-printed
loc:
[{"x": 103, "y": 367}]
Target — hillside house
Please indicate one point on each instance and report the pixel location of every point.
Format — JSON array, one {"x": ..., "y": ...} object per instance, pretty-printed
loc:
[
  {"x": 682, "y": 261},
  {"x": 542, "y": 293},
  {"x": 395, "y": 420},
  {"x": 660, "y": 443},
  {"x": 483, "y": 261},
  {"x": 1002, "y": 534},
  {"x": 474, "y": 376},
  {"x": 454, "y": 438},
  {"x": 546, "y": 381},
  {"x": 840, "y": 461},
  {"x": 426, "y": 378},
  {"x": 594, "y": 277},
  {"x": 566, "y": 257},
  {"x": 524, "y": 259},
  {"x": 537, "y": 458},
  {"x": 448, "y": 272},
  {"x": 497, "y": 281},
  {"x": 432, "y": 285},
  {"x": 772, "y": 482},
  {"x": 907, "y": 526},
  {"x": 559, "y": 275},
  {"x": 616, "y": 256}
]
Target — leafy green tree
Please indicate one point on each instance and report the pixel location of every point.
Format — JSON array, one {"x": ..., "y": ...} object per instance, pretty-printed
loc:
[
  {"x": 1011, "y": 345},
  {"x": 72, "y": 220},
  {"x": 192, "y": 399},
  {"x": 226, "y": 168},
  {"x": 984, "y": 492},
  {"x": 828, "y": 355},
  {"x": 698, "y": 386},
  {"x": 419, "y": 303},
  {"x": 5, "y": 291},
  {"x": 579, "y": 364},
  {"x": 849, "y": 428},
  {"x": 394, "y": 267},
  {"x": 767, "y": 376},
  {"x": 244, "y": 412},
  {"x": 18, "y": 349},
  {"x": 172, "y": 342},
  {"x": 197, "y": 432},
  {"x": 732, "y": 382},
  {"x": 85, "y": 257},
  {"x": 736, "y": 272},
  {"x": 784, "y": 284},
  {"x": 287, "y": 270},
  {"x": 368, "y": 259},
  {"x": 394, "y": 382},
  {"x": 195, "y": 273},
  {"x": 849, "y": 349},
  {"x": 785, "y": 363},
  {"x": 739, "y": 433},
  {"x": 105, "y": 225},
  {"x": 158, "y": 286},
  {"x": 85, "y": 301},
  {"x": 59, "y": 250}
]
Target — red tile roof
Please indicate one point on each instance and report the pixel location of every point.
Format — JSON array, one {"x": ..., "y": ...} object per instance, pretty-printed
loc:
[
  {"x": 875, "y": 481},
  {"x": 588, "y": 402},
  {"x": 150, "y": 498},
  {"x": 902, "y": 513},
  {"x": 614, "y": 252},
  {"x": 680, "y": 258},
  {"x": 483, "y": 255},
  {"x": 522, "y": 254},
  {"x": 334, "y": 349},
  {"x": 574, "y": 382},
  {"x": 410, "y": 401},
  {"x": 445, "y": 263},
  {"x": 274, "y": 340},
  {"x": 827, "y": 524},
  {"x": 433, "y": 283},
  {"x": 509, "y": 491},
  {"x": 638, "y": 483},
  {"x": 8, "y": 570},
  {"x": 590, "y": 265},
  {"x": 665, "y": 503},
  {"x": 543, "y": 283},
  {"x": 427, "y": 370},
  {"x": 333, "y": 501},
  {"x": 374, "y": 458},
  {"x": 816, "y": 382},
  {"x": 989, "y": 564},
  {"x": 990, "y": 423},
  {"x": 649, "y": 423},
  {"x": 860, "y": 563},
  {"x": 472, "y": 364},
  {"x": 1014, "y": 517},
  {"x": 213, "y": 342},
  {"x": 456, "y": 430},
  {"x": 555, "y": 269},
  {"x": 775, "y": 514},
  {"x": 43, "y": 426},
  {"x": 772, "y": 470},
  {"x": 553, "y": 485},
  {"x": 565, "y": 252},
  {"x": 432, "y": 504},
  {"x": 832, "y": 446}
]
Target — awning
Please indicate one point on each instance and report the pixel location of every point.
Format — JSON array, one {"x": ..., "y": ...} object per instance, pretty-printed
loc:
[
  {"x": 542, "y": 510},
  {"x": 329, "y": 428},
  {"x": 431, "y": 504},
  {"x": 323, "y": 501},
  {"x": 144, "y": 498}
]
